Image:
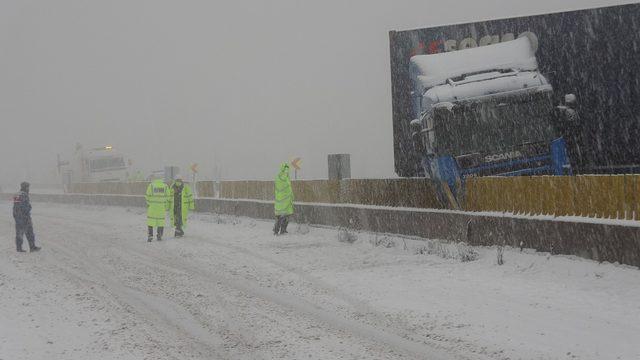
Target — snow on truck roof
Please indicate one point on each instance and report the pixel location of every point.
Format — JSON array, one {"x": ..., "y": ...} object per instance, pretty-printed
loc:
[{"x": 436, "y": 69}]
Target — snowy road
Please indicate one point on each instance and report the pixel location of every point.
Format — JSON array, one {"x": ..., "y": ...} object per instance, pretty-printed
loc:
[{"x": 230, "y": 290}]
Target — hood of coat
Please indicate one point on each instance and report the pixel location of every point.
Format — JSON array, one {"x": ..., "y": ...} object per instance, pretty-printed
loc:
[
  {"x": 24, "y": 187},
  {"x": 178, "y": 184},
  {"x": 284, "y": 169}
]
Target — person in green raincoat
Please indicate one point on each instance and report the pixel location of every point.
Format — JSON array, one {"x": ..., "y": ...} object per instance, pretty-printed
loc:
[
  {"x": 157, "y": 197},
  {"x": 283, "y": 204},
  {"x": 181, "y": 199}
]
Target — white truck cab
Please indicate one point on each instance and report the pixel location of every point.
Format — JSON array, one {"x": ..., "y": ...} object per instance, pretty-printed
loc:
[
  {"x": 485, "y": 111},
  {"x": 470, "y": 74},
  {"x": 101, "y": 164}
]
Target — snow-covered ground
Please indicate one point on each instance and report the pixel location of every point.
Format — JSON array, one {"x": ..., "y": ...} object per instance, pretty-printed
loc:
[{"x": 231, "y": 290}]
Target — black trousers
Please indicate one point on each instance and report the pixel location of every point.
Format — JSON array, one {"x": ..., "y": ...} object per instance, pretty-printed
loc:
[
  {"x": 22, "y": 229},
  {"x": 280, "y": 226},
  {"x": 177, "y": 216},
  {"x": 160, "y": 230}
]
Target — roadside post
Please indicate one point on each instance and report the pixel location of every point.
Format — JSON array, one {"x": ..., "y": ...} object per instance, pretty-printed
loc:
[
  {"x": 301, "y": 220},
  {"x": 194, "y": 171}
]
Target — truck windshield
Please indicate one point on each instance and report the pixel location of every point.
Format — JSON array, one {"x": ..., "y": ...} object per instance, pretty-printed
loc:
[
  {"x": 106, "y": 163},
  {"x": 493, "y": 124}
]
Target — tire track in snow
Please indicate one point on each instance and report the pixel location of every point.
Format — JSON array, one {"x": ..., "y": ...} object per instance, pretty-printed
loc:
[
  {"x": 361, "y": 310},
  {"x": 303, "y": 306},
  {"x": 155, "y": 309},
  {"x": 231, "y": 330}
]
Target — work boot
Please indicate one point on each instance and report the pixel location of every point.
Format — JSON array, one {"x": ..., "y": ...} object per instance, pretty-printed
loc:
[
  {"x": 20, "y": 250},
  {"x": 35, "y": 248},
  {"x": 149, "y": 238},
  {"x": 283, "y": 226},
  {"x": 276, "y": 226}
]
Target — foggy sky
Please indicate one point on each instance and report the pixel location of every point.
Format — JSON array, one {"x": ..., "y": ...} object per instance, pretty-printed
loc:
[{"x": 242, "y": 85}]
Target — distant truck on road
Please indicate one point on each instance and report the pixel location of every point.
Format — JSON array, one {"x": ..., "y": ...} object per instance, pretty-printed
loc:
[
  {"x": 101, "y": 164},
  {"x": 485, "y": 111}
]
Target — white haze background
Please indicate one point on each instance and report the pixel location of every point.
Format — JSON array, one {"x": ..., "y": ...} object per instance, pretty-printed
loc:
[{"x": 242, "y": 85}]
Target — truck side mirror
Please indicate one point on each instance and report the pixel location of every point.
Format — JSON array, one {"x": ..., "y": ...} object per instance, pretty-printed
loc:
[{"x": 570, "y": 100}]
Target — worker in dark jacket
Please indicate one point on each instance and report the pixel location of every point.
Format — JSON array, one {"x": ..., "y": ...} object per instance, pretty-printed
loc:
[
  {"x": 181, "y": 202},
  {"x": 22, "y": 216}
]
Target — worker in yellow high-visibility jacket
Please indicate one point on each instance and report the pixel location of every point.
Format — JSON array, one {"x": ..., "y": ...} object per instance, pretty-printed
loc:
[
  {"x": 158, "y": 203},
  {"x": 283, "y": 205}
]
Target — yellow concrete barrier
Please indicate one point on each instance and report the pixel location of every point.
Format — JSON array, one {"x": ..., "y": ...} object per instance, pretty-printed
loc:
[
  {"x": 602, "y": 196},
  {"x": 110, "y": 188},
  {"x": 205, "y": 188}
]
